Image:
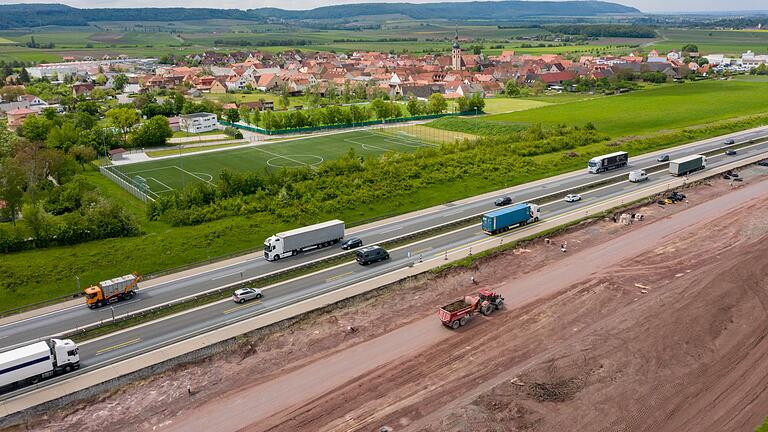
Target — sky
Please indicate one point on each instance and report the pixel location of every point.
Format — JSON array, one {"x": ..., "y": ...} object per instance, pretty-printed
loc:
[{"x": 644, "y": 5}]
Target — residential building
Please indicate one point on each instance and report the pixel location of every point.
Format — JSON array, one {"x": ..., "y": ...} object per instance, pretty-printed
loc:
[{"x": 198, "y": 122}]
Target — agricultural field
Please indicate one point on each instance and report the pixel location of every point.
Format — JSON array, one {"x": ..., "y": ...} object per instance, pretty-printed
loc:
[
  {"x": 657, "y": 109},
  {"x": 732, "y": 42},
  {"x": 166, "y": 175}
]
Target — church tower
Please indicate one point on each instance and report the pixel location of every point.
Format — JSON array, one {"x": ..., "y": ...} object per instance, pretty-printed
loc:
[{"x": 456, "y": 53}]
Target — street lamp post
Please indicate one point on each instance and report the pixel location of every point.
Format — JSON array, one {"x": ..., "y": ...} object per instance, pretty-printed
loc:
[
  {"x": 475, "y": 110},
  {"x": 77, "y": 278},
  {"x": 112, "y": 309}
]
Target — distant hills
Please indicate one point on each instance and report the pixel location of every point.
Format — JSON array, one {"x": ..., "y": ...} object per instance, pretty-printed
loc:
[{"x": 37, "y": 15}]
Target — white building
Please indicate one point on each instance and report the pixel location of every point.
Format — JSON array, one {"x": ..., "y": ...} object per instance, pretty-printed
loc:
[{"x": 198, "y": 122}]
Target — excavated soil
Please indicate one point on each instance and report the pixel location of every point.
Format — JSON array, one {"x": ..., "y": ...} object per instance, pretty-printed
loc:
[{"x": 671, "y": 339}]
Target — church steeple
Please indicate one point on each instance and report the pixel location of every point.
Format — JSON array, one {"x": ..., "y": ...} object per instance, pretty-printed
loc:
[{"x": 456, "y": 61}]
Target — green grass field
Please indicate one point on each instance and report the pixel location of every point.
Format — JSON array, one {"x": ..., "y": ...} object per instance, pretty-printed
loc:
[
  {"x": 732, "y": 42},
  {"x": 166, "y": 175},
  {"x": 650, "y": 111}
]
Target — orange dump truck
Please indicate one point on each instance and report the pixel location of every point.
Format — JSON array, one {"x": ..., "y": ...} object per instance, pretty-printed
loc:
[
  {"x": 459, "y": 312},
  {"x": 113, "y": 290}
]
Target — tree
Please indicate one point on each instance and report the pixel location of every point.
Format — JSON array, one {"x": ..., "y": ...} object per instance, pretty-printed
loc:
[
  {"x": 511, "y": 89},
  {"x": 63, "y": 137},
  {"x": 255, "y": 117},
  {"x": 380, "y": 108},
  {"x": 40, "y": 222},
  {"x": 83, "y": 154},
  {"x": 123, "y": 118},
  {"x": 414, "y": 107},
  {"x": 152, "y": 133},
  {"x": 11, "y": 188},
  {"x": 690, "y": 48},
  {"x": 36, "y": 128},
  {"x": 119, "y": 82},
  {"x": 232, "y": 115},
  {"x": 285, "y": 96},
  {"x": 437, "y": 103},
  {"x": 24, "y": 75},
  {"x": 7, "y": 141}
]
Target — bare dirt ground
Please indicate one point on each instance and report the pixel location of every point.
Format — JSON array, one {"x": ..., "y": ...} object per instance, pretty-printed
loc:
[{"x": 656, "y": 326}]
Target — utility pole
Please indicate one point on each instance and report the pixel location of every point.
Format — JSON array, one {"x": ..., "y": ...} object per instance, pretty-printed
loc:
[{"x": 77, "y": 278}]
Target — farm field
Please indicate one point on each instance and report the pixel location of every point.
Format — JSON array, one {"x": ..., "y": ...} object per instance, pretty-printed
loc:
[
  {"x": 166, "y": 175},
  {"x": 732, "y": 42},
  {"x": 654, "y": 110}
]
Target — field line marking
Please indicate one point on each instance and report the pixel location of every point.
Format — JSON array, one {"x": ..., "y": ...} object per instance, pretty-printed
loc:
[
  {"x": 284, "y": 157},
  {"x": 168, "y": 188},
  {"x": 197, "y": 177}
]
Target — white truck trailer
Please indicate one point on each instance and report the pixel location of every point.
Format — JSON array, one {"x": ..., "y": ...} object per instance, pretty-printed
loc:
[
  {"x": 31, "y": 363},
  {"x": 292, "y": 242}
]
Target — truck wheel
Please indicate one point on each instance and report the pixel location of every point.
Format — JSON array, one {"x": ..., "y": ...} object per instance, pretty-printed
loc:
[
  {"x": 455, "y": 324},
  {"x": 258, "y": 296},
  {"x": 35, "y": 379},
  {"x": 129, "y": 295},
  {"x": 67, "y": 369},
  {"x": 499, "y": 304},
  {"x": 536, "y": 219},
  {"x": 464, "y": 320},
  {"x": 276, "y": 258},
  {"x": 487, "y": 309}
]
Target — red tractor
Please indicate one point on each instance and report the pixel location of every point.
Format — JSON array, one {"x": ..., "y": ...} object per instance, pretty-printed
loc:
[{"x": 459, "y": 312}]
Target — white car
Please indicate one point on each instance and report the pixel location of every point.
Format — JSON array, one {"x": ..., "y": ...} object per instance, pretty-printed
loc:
[
  {"x": 572, "y": 198},
  {"x": 244, "y": 294}
]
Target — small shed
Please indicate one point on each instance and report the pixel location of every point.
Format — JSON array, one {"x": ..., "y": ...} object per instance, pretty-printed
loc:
[{"x": 117, "y": 153}]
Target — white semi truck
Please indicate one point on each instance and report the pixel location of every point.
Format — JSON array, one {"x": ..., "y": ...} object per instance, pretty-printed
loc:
[
  {"x": 292, "y": 242},
  {"x": 31, "y": 363}
]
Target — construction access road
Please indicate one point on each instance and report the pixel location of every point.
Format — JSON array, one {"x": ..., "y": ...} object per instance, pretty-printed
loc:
[
  {"x": 660, "y": 325},
  {"x": 191, "y": 283}
]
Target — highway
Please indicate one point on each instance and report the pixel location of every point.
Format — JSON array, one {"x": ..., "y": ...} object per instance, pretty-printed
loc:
[
  {"x": 79, "y": 316},
  {"x": 152, "y": 335}
]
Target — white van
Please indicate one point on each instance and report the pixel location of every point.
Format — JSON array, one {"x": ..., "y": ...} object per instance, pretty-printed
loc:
[{"x": 637, "y": 176}]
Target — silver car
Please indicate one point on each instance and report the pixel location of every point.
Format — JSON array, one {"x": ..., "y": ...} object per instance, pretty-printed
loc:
[
  {"x": 244, "y": 294},
  {"x": 572, "y": 198}
]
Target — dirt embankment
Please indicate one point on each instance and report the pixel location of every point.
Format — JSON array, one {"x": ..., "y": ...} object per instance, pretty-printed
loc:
[{"x": 670, "y": 340}]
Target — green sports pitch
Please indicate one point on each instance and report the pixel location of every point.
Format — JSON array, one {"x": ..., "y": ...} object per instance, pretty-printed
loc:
[{"x": 166, "y": 175}]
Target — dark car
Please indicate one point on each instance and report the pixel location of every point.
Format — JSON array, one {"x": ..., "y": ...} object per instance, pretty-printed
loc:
[
  {"x": 730, "y": 152},
  {"x": 663, "y": 158},
  {"x": 503, "y": 201},
  {"x": 371, "y": 254},
  {"x": 729, "y": 142},
  {"x": 763, "y": 163},
  {"x": 351, "y": 243}
]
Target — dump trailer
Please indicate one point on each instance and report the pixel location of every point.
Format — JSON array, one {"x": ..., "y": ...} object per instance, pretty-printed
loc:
[
  {"x": 687, "y": 165},
  {"x": 459, "y": 312},
  {"x": 31, "y": 363},
  {"x": 503, "y": 219},
  {"x": 296, "y": 241},
  {"x": 113, "y": 290},
  {"x": 608, "y": 162}
]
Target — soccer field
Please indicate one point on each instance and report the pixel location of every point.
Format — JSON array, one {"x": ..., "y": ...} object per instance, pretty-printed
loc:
[{"x": 166, "y": 175}]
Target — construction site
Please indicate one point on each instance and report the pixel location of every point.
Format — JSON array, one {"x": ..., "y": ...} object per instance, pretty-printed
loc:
[{"x": 652, "y": 323}]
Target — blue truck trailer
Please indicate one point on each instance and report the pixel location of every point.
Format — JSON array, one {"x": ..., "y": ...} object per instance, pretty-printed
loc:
[{"x": 501, "y": 220}]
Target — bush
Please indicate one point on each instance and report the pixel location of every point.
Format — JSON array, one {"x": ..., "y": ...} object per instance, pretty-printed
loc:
[{"x": 233, "y": 132}]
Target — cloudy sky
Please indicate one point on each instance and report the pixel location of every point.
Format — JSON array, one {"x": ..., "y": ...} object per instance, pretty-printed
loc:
[{"x": 643, "y": 5}]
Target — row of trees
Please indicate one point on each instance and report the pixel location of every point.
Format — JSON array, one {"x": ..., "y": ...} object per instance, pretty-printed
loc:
[
  {"x": 335, "y": 115},
  {"x": 304, "y": 195}
]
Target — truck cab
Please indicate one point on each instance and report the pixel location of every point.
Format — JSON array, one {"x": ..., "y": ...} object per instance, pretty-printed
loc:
[
  {"x": 67, "y": 354},
  {"x": 273, "y": 248}
]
